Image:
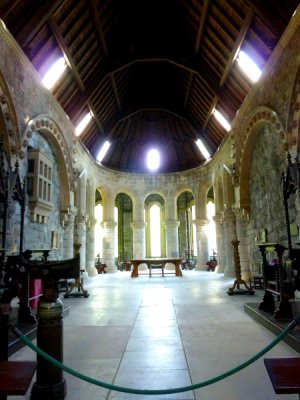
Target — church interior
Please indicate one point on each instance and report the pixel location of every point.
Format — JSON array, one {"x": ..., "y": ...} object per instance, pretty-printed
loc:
[{"x": 149, "y": 198}]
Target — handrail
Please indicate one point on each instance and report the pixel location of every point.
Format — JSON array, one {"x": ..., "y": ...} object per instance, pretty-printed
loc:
[{"x": 199, "y": 385}]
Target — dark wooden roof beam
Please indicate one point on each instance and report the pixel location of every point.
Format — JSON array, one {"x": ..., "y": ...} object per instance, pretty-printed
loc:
[
  {"x": 91, "y": 89},
  {"x": 272, "y": 20},
  {"x": 115, "y": 90},
  {"x": 201, "y": 26},
  {"x": 97, "y": 121},
  {"x": 238, "y": 44},
  {"x": 98, "y": 25},
  {"x": 67, "y": 55},
  {"x": 8, "y": 8},
  {"x": 188, "y": 89},
  {"x": 40, "y": 18}
]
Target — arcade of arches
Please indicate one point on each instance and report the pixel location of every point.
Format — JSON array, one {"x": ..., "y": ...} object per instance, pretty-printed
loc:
[{"x": 75, "y": 198}]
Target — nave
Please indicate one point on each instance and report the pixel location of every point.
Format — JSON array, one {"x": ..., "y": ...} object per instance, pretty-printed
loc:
[{"x": 155, "y": 333}]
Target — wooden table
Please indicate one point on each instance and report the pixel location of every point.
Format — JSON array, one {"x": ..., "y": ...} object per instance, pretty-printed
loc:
[
  {"x": 15, "y": 377},
  {"x": 155, "y": 261},
  {"x": 284, "y": 374}
]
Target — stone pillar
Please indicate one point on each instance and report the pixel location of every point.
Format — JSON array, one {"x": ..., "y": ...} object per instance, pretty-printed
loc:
[
  {"x": 171, "y": 226},
  {"x": 229, "y": 226},
  {"x": 138, "y": 226},
  {"x": 172, "y": 238},
  {"x": 80, "y": 220},
  {"x": 139, "y": 239},
  {"x": 241, "y": 229},
  {"x": 90, "y": 247},
  {"x": 109, "y": 245},
  {"x": 108, "y": 224},
  {"x": 68, "y": 223},
  {"x": 220, "y": 243},
  {"x": 80, "y": 236},
  {"x": 202, "y": 244}
]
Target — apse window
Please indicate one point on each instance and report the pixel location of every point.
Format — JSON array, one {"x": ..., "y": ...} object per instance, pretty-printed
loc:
[
  {"x": 103, "y": 151},
  {"x": 248, "y": 66},
  {"x": 203, "y": 149},
  {"x": 153, "y": 160},
  {"x": 54, "y": 73},
  {"x": 222, "y": 120},
  {"x": 155, "y": 230},
  {"x": 83, "y": 124}
]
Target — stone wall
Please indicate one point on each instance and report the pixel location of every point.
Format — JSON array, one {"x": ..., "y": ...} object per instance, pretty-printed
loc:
[{"x": 267, "y": 211}]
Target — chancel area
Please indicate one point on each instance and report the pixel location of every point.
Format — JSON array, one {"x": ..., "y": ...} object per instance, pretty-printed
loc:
[{"x": 149, "y": 199}]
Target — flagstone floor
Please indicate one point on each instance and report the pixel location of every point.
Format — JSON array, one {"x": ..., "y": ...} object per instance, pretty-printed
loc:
[{"x": 162, "y": 333}]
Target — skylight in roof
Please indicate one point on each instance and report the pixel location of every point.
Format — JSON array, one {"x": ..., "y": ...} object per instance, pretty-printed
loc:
[
  {"x": 83, "y": 124},
  {"x": 153, "y": 160},
  {"x": 54, "y": 73},
  {"x": 222, "y": 120},
  {"x": 103, "y": 151},
  {"x": 203, "y": 149},
  {"x": 248, "y": 66}
]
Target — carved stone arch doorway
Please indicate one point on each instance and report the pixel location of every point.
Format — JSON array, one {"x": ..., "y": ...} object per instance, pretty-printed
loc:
[
  {"x": 261, "y": 117},
  {"x": 46, "y": 127}
]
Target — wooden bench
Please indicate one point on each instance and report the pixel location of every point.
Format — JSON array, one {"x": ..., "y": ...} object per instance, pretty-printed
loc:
[
  {"x": 160, "y": 267},
  {"x": 284, "y": 374},
  {"x": 15, "y": 377}
]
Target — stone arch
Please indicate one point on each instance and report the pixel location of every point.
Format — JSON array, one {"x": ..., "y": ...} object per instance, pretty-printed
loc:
[
  {"x": 125, "y": 191},
  {"x": 9, "y": 122},
  {"x": 182, "y": 190},
  {"x": 260, "y": 117},
  {"x": 46, "y": 127}
]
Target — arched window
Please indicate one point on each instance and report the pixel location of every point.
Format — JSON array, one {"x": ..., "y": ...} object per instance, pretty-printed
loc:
[
  {"x": 211, "y": 227},
  {"x": 155, "y": 231},
  {"x": 194, "y": 232},
  {"x": 116, "y": 233}
]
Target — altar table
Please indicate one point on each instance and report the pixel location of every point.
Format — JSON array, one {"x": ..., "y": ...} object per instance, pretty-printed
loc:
[{"x": 155, "y": 261}]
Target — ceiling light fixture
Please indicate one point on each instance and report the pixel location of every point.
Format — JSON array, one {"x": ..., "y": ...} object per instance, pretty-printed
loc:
[
  {"x": 222, "y": 120},
  {"x": 248, "y": 66},
  {"x": 83, "y": 124},
  {"x": 103, "y": 151},
  {"x": 203, "y": 149},
  {"x": 54, "y": 73}
]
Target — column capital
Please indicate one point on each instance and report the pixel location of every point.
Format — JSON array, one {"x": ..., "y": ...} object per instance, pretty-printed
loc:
[
  {"x": 92, "y": 221},
  {"x": 138, "y": 225},
  {"x": 241, "y": 213},
  {"x": 218, "y": 218},
  {"x": 200, "y": 221},
  {"x": 229, "y": 214},
  {"x": 108, "y": 224},
  {"x": 172, "y": 224}
]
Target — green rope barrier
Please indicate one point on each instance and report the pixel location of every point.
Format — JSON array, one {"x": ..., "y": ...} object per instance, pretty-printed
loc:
[{"x": 199, "y": 385}]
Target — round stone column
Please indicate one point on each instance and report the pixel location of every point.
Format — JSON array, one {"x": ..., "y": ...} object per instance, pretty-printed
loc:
[
  {"x": 202, "y": 244},
  {"x": 68, "y": 223},
  {"x": 90, "y": 247},
  {"x": 139, "y": 239},
  {"x": 172, "y": 238},
  {"x": 218, "y": 218},
  {"x": 80, "y": 236},
  {"x": 241, "y": 228},
  {"x": 109, "y": 245},
  {"x": 229, "y": 225}
]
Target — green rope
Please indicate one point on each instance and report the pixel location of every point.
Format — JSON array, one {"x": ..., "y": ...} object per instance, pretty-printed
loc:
[{"x": 159, "y": 391}]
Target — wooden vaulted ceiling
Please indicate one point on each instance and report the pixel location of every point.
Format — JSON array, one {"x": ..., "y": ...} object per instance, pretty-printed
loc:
[{"x": 150, "y": 71}]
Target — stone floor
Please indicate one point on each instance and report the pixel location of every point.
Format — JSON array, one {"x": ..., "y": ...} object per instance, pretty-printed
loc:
[{"x": 160, "y": 333}]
